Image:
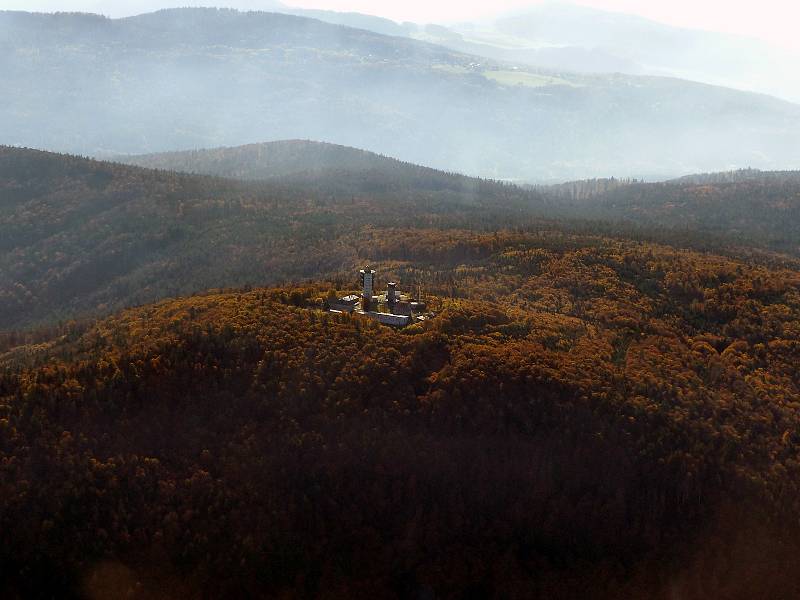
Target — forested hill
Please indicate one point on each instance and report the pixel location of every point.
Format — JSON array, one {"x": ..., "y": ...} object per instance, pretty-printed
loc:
[
  {"x": 581, "y": 414},
  {"x": 87, "y": 237},
  {"x": 201, "y": 78},
  {"x": 745, "y": 207},
  {"x": 755, "y": 209},
  {"x": 741, "y": 175},
  {"x": 81, "y": 236},
  {"x": 271, "y": 159}
]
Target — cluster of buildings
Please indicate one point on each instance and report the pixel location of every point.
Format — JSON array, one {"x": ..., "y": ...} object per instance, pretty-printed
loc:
[{"x": 390, "y": 308}]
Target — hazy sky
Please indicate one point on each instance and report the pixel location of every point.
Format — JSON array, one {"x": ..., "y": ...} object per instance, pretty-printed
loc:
[{"x": 774, "y": 20}]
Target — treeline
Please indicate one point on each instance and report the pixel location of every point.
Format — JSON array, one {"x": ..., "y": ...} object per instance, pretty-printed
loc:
[
  {"x": 741, "y": 175},
  {"x": 583, "y": 189},
  {"x": 279, "y": 159}
]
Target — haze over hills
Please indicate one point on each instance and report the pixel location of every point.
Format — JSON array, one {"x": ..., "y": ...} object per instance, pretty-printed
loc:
[
  {"x": 569, "y": 37},
  {"x": 114, "y": 9},
  {"x": 577, "y": 38},
  {"x": 741, "y": 175},
  {"x": 199, "y": 78},
  {"x": 557, "y": 35}
]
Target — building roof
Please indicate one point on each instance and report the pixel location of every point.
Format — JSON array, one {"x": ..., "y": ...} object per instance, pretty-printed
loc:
[{"x": 389, "y": 319}]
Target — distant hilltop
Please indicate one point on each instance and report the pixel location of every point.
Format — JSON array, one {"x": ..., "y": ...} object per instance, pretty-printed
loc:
[
  {"x": 740, "y": 175},
  {"x": 205, "y": 78},
  {"x": 264, "y": 160}
]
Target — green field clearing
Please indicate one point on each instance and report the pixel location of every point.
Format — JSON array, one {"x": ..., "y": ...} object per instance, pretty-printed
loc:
[{"x": 525, "y": 79}]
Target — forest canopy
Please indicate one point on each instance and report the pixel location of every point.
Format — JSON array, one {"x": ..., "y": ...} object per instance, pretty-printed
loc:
[
  {"x": 81, "y": 238},
  {"x": 582, "y": 413}
]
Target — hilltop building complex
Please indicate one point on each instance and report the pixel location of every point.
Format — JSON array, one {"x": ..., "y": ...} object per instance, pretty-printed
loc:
[{"x": 390, "y": 308}]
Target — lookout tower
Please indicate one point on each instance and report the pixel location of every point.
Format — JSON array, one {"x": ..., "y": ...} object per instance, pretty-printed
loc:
[
  {"x": 367, "y": 280},
  {"x": 391, "y": 295}
]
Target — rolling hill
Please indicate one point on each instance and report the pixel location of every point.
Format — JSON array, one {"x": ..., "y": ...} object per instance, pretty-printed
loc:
[
  {"x": 741, "y": 175},
  {"x": 602, "y": 400},
  {"x": 562, "y": 36},
  {"x": 582, "y": 413},
  {"x": 84, "y": 237},
  {"x": 199, "y": 78},
  {"x": 269, "y": 160},
  {"x": 757, "y": 210},
  {"x": 744, "y": 207},
  {"x": 80, "y": 237}
]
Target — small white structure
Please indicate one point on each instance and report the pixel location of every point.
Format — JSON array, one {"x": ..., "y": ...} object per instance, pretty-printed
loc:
[{"x": 346, "y": 304}]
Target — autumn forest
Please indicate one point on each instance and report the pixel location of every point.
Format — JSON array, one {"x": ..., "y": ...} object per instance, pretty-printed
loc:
[{"x": 606, "y": 398}]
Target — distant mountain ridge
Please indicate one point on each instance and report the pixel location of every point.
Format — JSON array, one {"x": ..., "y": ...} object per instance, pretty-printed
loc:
[
  {"x": 740, "y": 175},
  {"x": 351, "y": 19},
  {"x": 564, "y": 36},
  {"x": 266, "y": 160},
  {"x": 751, "y": 207},
  {"x": 201, "y": 78}
]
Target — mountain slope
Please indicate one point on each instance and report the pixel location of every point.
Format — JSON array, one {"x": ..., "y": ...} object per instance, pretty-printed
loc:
[
  {"x": 350, "y": 19},
  {"x": 564, "y": 36},
  {"x": 589, "y": 414},
  {"x": 741, "y": 175},
  {"x": 204, "y": 78},
  {"x": 761, "y": 211},
  {"x": 81, "y": 237},
  {"x": 746, "y": 207}
]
